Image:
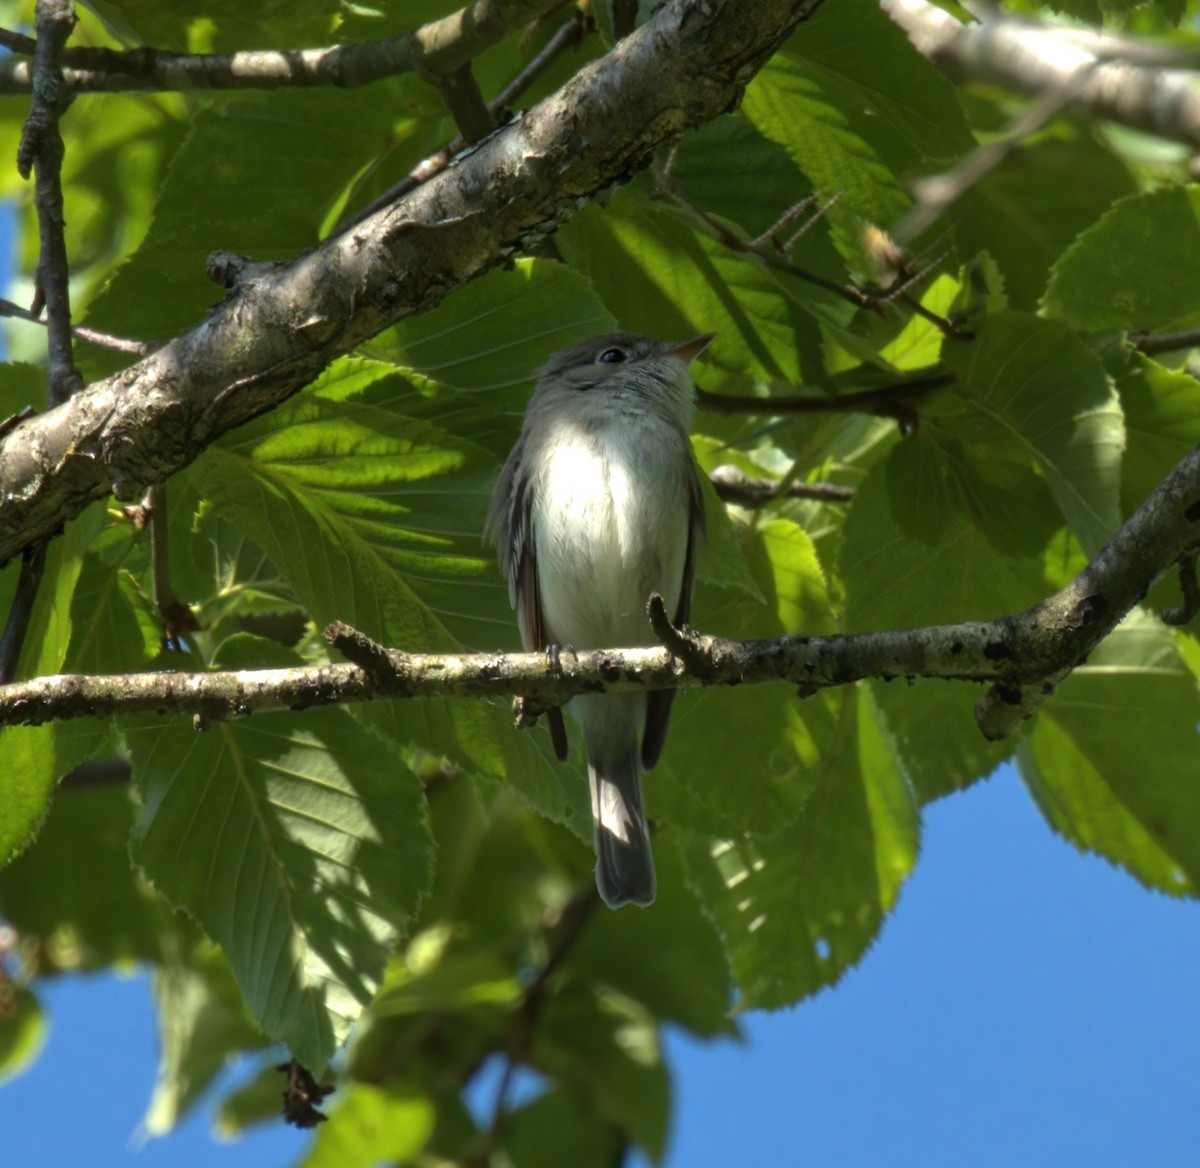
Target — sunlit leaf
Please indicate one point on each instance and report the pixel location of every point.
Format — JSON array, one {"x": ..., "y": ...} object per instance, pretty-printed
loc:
[{"x": 301, "y": 853}]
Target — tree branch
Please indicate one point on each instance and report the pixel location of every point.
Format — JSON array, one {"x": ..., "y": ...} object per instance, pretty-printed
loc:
[
  {"x": 41, "y": 152},
  {"x": 1025, "y": 656},
  {"x": 733, "y": 486},
  {"x": 1037, "y": 58},
  {"x": 276, "y": 332},
  {"x": 437, "y": 49}
]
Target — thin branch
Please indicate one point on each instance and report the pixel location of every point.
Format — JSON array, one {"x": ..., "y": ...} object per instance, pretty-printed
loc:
[
  {"x": 1154, "y": 343},
  {"x": 80, "y": 332},
  {"x": 275, "y": 334},
  {"x": 1025, "y": 656},
  {"x": 41, "y": 151},
  {"x": 177, "y": 618},
  {"x": 733, "y": 486},
  {"x": 897, "y": 401},
  {"x": 17, "y": 42},
  {"x": 1035, "y": 58},
  {"x": 936, "y": 194},
  {"x": 568, "y": 36},
  {"x": 436, "y": 49},
  {"x": 460, "y": 91},
  {"x": 1189, "y": 588}
]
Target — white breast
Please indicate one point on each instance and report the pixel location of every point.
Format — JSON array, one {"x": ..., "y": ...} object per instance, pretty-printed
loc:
[{"x": 611, "y": 525}]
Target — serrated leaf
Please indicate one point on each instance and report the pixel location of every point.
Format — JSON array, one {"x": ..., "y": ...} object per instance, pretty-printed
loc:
[
  {"x": 662, "y": 278},
  {"x": 1131, "y": 269},
  {"x": 797, "y": 909},
  {"x": 302, "y": 854},
  {"x": 688, "y": 981},
  {"x": 257, "y": 176},
  {"x": 1116, "y": 776},
  {"x": 374, "y": 518},
  {"x": 1162, "y": 420},
  {"x": 781, "y": 740},
  {"x": 1035, "y": 391},
  {"x": 897, "y": 580},
  {"x": 1030, "y": 209},
  {"x": 496, "y": 332},
  {"x": 861, "y": 122}
]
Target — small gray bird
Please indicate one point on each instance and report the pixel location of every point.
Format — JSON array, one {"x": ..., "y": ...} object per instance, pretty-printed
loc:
[{"x": 598, "y": 506}]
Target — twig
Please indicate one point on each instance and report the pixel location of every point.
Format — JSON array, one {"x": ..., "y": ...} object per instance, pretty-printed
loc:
[
  {"x": 1025, "y": 656},
  {"x": 570, "y": 34},
  {"x": 1189, "y": 588},
  {"x": 438, "y": 48},
  {"x": 897, "y": 401},
  {"x": 80, "y": 332},
  {"x": 41, "y": 150},
  {"x": 1153, "y": 344},
  {"x": 936, "y": 194},
  {"x": 733, "y": 486},
  {"x": 177, "y": 618},
  {"x": 460, "y": 92},
  {"x": 17, "y": 42},
  {"x": 764, "y": 247},
  {"x": 574, "y": 918}
]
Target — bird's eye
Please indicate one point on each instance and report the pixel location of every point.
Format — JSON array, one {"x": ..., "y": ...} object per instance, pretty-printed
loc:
[{"x": 613, "y": 356}]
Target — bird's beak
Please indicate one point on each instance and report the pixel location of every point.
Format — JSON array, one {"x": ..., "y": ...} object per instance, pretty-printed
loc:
[{"x": 690, "y": 350}]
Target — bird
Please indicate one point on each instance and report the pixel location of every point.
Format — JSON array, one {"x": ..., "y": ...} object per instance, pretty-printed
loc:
[{"x": 599, "y": 505}]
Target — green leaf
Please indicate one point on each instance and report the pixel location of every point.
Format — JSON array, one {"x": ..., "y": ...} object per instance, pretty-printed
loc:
[
  {"x": 936, "y": 735},
  {"x": 373, "y": 1125},
  {"x": 23, "y": 1030},
  {"x": 495, "y": 333},
  {"x": 559, "y": 1128},
  {"x": 1029, "y": 210},
  {"x": 1131, "y": 269},
  {"x": 301, "y": 853},
  {"x": 686, "y": 982},
  {"x": 37, "y": 757},
  {"x": 374, "y": 518},
  {"x": 894, "y": 579},
  {"x": 254, "y": 1102},
  {"x": 860, "y": 111},
  {"x": 108, "y": 918},
  {"x": 202, "y": 1023},
  {"x": 114, "y": 627},
  {"x": 797, "y": 909},
  {"x": 258, "y": 176},
  {"x": 1162, "y": 421},
  {"x": 216, "y": 25},
  {"x": 1039, "y": 395},
  {"x": 660, "y": 277},
  {"x": 1117, "y": 776},
  {"x": 781, "y": 740},
  {"x": 607, "y": 1048}
]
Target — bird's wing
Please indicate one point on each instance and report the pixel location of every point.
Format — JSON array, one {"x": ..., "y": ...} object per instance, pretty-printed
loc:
[
  {"x": 510, "y": 527},
  {"x": 658, "y": 703}
]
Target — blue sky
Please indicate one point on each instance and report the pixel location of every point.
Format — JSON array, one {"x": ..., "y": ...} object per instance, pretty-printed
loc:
[{"x": 1025, "y": 1005}]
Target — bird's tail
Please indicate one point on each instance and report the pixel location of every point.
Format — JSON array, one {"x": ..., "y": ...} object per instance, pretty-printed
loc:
[{"x": 624, "y": 861}]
